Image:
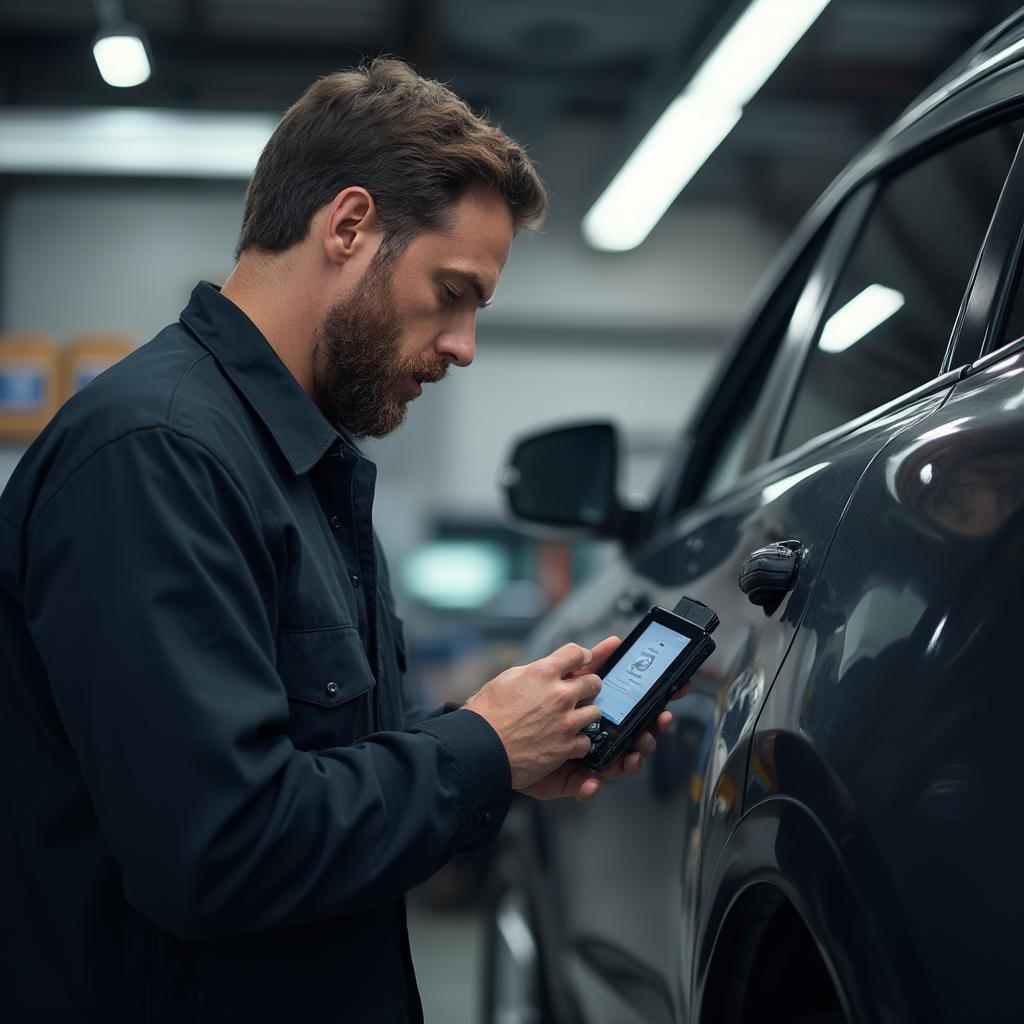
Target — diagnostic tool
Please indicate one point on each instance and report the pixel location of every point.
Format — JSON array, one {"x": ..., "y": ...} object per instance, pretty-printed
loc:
[{"x": 654, "y": 661}]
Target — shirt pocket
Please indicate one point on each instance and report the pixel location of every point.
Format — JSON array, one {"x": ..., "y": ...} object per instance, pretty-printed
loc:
[{"x": 330, "y": 686}]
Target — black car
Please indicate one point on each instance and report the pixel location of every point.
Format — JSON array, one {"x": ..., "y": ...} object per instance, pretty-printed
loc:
[{"x": 830, "y": 831}]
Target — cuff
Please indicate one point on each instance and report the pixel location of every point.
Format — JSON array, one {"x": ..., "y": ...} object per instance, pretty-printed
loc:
[{"x": 482, "y": 768}]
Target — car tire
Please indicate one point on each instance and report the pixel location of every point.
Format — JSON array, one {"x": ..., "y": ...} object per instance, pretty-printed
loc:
[{"x": 514, "y": 990}]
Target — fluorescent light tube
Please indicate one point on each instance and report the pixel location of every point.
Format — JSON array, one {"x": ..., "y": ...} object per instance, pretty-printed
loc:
[
  {"x": 753, "y": 48},
  {"x": 122, "y": 58},
  {"x": 860, "y": 316},
  {"x": 132, "y": 141},
  {"x": 657, "y": 171},
  {"x": 696, "y": 122}
]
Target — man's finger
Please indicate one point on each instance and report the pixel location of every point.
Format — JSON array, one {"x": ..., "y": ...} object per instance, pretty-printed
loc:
[
  {"x": 581, "y": 747},
  {"x": 682, "y": 691},
  {"x": 662, "y": 722},
  {"x": 586, "y": 687},
  {"x": 645, "y": 743},
  {"x": 601, "y": 653},
  {"x": 570, "y": 658},
  {"x": 584, "y": 715},
  {"x": 583, "y": 783}
]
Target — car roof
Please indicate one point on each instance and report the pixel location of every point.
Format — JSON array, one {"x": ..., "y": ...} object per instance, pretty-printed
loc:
[{"x": 1005, "y": 34}]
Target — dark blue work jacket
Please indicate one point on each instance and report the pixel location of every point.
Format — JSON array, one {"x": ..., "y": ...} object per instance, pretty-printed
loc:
[{"x": 212, "y": 801}]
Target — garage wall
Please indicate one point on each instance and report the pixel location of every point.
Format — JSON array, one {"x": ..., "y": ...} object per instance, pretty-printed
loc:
[
  {"x": 95, "y": 256},
  {"x": 647, "y": 390},
  {"x": 567, "y": 338}
]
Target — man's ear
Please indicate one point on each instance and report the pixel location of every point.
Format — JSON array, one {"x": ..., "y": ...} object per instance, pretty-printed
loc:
[{"x": 351, "y": 224}]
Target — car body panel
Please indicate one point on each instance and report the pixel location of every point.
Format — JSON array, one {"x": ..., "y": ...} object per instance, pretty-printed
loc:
[
  {"x": 779, "y": 843},
  {"x": 897, "y": 691}
]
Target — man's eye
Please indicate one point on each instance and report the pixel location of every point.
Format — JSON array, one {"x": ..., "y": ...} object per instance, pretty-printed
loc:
[{"x": 449, "y": 296}]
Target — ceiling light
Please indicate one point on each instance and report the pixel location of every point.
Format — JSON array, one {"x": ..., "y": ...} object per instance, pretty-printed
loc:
[
  {"x": 860, "y": 316},
  {"x": 753, "y": 48},
  {"x": 132, "y": 141},
  {"x": 121, "y": 57},
  {"x": 697, "y": 121},
  {"x": 657, "y": 171}
]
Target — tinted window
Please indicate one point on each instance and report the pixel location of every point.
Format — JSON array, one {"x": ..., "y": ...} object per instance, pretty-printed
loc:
[
  {"x": 731, "y": 434},
  {"x": 888, "y": 323},
  {"x": 1014, "y": 327},
  {"x": 1015, "y": 321},
  {"x": 727, "y": 461}
]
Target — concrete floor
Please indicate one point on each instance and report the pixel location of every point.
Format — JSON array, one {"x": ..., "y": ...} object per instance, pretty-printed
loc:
[{"x": 447, "y": 949}]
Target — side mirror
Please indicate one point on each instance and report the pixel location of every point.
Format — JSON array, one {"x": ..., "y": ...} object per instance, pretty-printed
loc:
[{"x": 567, "y": 478}]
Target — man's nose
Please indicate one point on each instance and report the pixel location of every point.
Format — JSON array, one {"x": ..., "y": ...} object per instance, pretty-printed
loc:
[{"x": 459, "y": 344}]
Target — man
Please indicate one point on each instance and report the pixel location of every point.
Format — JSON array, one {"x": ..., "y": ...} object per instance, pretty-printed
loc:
[{"x": 214, "y": 799}]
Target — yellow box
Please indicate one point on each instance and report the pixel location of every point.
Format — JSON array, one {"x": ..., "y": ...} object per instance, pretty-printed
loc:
[
  {"x": 87, "y": 355},
  {"x": 29, "y": 383}
]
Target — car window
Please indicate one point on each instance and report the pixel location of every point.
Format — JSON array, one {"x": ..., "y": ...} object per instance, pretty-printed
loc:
[
  {"x": 728, "y": 458},
  {"x": 887, "y": 325},
  {"x": 730, "y": 435},
  {"x": 1013, "y": 328}
]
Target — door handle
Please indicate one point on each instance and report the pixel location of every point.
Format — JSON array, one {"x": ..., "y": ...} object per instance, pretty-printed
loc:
[{"x": 771, "y": 572}]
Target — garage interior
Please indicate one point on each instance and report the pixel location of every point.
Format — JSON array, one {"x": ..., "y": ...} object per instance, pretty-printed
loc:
[{"x": 98, "y": 246}]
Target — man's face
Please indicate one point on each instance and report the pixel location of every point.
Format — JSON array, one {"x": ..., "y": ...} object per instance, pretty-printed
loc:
[{"x": 408, "y": 319}]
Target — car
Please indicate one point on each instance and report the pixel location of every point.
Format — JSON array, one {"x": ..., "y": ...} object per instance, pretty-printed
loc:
[{"x": 830, "y": 830}]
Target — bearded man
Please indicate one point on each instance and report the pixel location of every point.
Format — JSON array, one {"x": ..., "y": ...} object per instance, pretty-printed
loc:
[{"x": 215, "y": 797}]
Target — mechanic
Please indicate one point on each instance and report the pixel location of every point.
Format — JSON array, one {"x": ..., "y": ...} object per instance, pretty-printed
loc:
[{"x": 214, "y": 797}]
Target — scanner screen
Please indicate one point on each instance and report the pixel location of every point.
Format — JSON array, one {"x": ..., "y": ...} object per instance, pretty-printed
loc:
[{"x": 640, "y": 668}]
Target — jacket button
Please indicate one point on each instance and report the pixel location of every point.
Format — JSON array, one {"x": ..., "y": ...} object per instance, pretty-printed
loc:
[
  {"x": 482, "y": 817},
  {"x": 332, "y": 689},
  {"x": 335, "y": 523},
  {"x": 355, "y": 580}
]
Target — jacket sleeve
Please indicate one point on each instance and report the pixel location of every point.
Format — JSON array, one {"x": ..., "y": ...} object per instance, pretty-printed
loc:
[{"x": 150, "y": 592}]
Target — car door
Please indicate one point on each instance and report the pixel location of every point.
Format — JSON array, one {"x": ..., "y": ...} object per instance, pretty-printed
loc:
[
  {"x": 646, "y": 848},
  {"x": 895, "y": 720}
]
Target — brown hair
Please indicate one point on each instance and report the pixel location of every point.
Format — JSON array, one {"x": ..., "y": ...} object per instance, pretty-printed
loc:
[{"x": 409, "y": 141}]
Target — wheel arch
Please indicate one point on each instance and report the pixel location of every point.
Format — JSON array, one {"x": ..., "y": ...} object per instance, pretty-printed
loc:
[
  {"x": 763, "y": 927},
  {"x": 779, "y": 853}
]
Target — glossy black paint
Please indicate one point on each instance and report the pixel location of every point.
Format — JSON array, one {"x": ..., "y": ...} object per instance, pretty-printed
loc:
[
  {"x": 905, "y": 683},
  {"x": 854, "y": 753}
]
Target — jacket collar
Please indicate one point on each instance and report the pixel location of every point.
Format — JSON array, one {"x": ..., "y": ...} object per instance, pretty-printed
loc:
[{"x": 301, "y": 431}]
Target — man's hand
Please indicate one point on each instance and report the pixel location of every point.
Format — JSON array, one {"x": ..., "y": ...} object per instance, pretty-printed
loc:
[
  {"x": 538, "y": 711},
  {"x": 579, "y": 780}
]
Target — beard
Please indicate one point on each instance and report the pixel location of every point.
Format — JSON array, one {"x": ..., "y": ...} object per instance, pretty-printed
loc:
[{"x": 362, "y": 383}]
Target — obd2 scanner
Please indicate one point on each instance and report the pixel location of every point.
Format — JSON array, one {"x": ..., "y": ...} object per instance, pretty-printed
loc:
[{"x": 655, "y": 660}]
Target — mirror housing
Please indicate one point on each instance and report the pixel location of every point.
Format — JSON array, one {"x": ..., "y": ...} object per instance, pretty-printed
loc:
[{"x": 568, "y": 478}]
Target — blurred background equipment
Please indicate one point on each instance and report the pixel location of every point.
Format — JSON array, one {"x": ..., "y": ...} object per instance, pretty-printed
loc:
[
  {"x": 38, "y": 374},
  {"x": 87, "y": 355},
  {"x": 29, "y": 383},
  {"x": 121, "y": 187}
]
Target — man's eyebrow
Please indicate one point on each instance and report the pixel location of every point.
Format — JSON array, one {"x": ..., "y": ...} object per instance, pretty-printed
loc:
[{"x": 474, "y": 282}]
